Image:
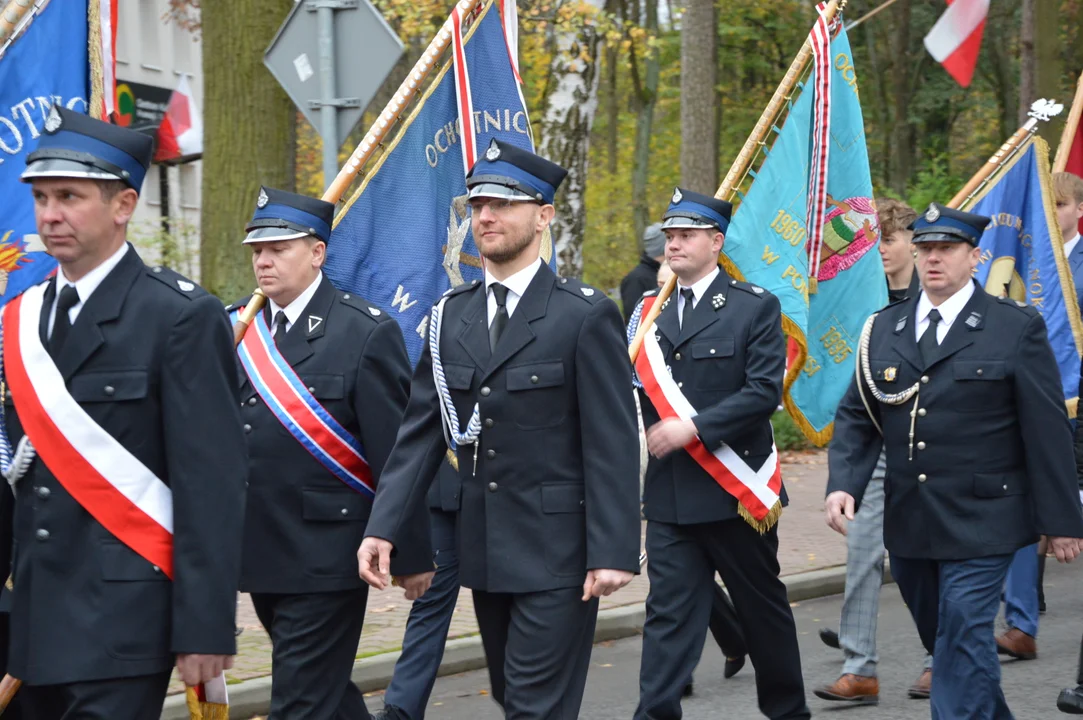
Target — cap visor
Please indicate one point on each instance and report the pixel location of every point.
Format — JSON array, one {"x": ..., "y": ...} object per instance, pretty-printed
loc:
[
  {"x": 937, "y": 236},
  {"x": 58, "y": 168},
  {"x": 272, "y": 234},
  {"x": 492, "y": 190},
  {"x": 675, "y": 223}
]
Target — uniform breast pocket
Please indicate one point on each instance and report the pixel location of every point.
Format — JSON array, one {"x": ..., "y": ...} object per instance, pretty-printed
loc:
[
  {"x": 335, "y": 520},
  {"x": 110, "y": 386},
  {"x": 537, "y": 397},
  {"x": 982, "y": 385},
  {"x": 458, "y": 377},
  {"x": 710, "y": 367},
  {"x": 329, "y": 389}
]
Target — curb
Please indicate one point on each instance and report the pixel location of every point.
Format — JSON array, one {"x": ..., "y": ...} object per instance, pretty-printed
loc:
[{"x": 253, "y": 697}]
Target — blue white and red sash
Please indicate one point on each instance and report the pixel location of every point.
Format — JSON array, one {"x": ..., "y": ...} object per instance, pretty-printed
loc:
[{"x": 290, "y": 400}]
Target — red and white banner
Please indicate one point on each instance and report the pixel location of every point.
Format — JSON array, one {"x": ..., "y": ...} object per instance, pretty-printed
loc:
[
  {"x": 821, "y": 139},
  {"x": 108, "y": 21},
  {"x": 464, "y": 101},
  {"x": 757, "y": 491},
  {"x": 181, "y": 132},
  {"x": 110, "y": 483},
  {"x": 955, "y": 39}
]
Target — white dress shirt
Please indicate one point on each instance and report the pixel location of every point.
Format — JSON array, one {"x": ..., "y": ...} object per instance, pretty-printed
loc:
[
  {"x": 516, "y": 285},
  {"x": 85, "y": 285},
  {"x": 699, "y": 289},
  {"x": 294, "y": 309},
  {"x": 1069, "y": 245},
  {"x": 949, "y": 311}
]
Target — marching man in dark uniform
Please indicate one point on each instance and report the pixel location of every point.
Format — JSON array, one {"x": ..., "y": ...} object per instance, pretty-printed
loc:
[
  {"x": 325, "y": 378},
  {"x": 711, "y": 372},
  {"x": 965, "y": 391},
  {"x": 528, "y": 376},
  {"x": 128, "y": 520}
]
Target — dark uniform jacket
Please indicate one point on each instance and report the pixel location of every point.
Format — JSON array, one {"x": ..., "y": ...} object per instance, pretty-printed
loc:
[
  {"x": 555, "y": 488},
  {"x": 303, "y": 524},
  {"x": 641, "y": 279},
  {"x": 992, "y": 460},
  {"x": 150, "y": 359},
  {"x": 729, "y": 361}
]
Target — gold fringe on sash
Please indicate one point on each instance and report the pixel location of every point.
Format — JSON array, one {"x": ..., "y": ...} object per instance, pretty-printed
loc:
[
  {"x": 769, "y": 520},
  {"x": 204, "y": 710}
]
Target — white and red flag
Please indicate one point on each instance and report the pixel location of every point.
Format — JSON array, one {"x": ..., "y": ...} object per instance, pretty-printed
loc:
[
  {"x": 955, "y": 39},
  {"x": 181, "y": 132}
]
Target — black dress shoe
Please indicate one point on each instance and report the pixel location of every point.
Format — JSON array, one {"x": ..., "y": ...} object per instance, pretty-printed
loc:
[
  {"x": 830, "y": 638},
  {"x": 733, "y": 666},
  {"x": 1071, "y": 700},
  {"x": 390, "y": 712},
  {"x": 687, "y": 692}
]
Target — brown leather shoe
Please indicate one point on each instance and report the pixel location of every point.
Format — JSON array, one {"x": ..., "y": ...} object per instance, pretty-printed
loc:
[
  {"x": 853, "y": 689},
  {"x": 922, "y": 686},
  {"x": 1017, "y": 644}
]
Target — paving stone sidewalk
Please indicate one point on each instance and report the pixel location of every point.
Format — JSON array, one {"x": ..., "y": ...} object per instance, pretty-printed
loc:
[{"x": 805, "y": 543}]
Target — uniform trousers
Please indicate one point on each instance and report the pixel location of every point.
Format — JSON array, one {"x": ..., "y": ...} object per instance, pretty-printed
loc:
[
  {"x": 955, "y": 603},
  {"x": 314, "y": 641},
  {"x": 683, "y": 561},
  {"x": 12, "y": 712},
  {"x": 538, "y": 649},
  {"x": 1021, "y": 591},
  {"x": 864, "y": 577},
  {"x": 427, "y": 628},
  {"x": 134, "y": 698}
]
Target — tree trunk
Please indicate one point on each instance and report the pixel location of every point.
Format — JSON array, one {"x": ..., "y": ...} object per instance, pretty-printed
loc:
[
  {"x": 1028, "y": 61},
  {"x": 248, "y": 134},
  {"x": 996, "y": 46},
  {"x": 645, "y": 100},
  {"x": 902, "y": 133},
  {"x": 699, "y": 97},
  {"x": 612, "y": 97},
  {"x": 567, "y": 118},
  {"x": 1049, "y": 68}
]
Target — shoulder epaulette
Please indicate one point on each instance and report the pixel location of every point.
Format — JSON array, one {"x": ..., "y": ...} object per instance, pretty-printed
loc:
[
  {"x": 238, "y": 304},
  {"x": 652, "y": 293},
  {"x": 366, "y": 308},
  {"x": 580, "y": 289},
  {"x": 748, "y": 288},
  {"x": 1018, "y": 305},
  {"x": 170, "y": 278},
  {"x": 460, "y": 289}
]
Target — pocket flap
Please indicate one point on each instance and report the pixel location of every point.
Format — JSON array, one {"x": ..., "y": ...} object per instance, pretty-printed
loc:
[
  {"x": 459, "y": 377},
  {"x": 325, "y": 387},
  {"x": 334, "y": 506},
  {"x": 536, "y": 376},
  {"x": 122, "y": 564},
  {"x": 978, "y": 369},
  {"x": 563, "y": 498},
  {"x": 713, "y": 348},
  {"x": 109, "y": 386},
  {"x": 994, "y": 485}
]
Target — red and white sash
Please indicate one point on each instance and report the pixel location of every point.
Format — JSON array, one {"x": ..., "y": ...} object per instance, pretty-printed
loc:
[
  {"x": 757, "y": 491},
  {"x": 110, "y": 483}
]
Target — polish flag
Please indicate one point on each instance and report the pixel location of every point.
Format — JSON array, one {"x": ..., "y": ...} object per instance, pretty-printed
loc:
[
  {"x": 181, "y": 132},
  {"x": 955, "y": 39}
]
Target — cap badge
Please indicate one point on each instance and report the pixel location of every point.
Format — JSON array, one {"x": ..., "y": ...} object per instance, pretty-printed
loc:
[
  {"x": 186, "y": 286},
  {"x": 587, "y": 291},
  {"x": 54, "y": 121},
  {"x": 493, "y": 153},
  {"x": 262, "y": 200},
  {"x": 932, "y": 214},
  {"x": 677, "y": 197},
  {"x": 890, "y": 374}
]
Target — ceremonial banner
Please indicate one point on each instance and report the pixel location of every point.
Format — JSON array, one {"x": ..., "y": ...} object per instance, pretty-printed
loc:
[
  {"x": 47, "y": 63},
  {"x": 404, "y": 237},
  {"x": 1022, "y": 255},
  {"x": 823, "y": 310}
]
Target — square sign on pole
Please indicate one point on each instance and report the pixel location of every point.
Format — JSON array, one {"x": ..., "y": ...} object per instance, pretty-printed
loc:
[{"x": 331, "y": 57}]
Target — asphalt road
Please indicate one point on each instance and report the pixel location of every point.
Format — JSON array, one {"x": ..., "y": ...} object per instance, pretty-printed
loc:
[{"x": 1031, "y": 687}]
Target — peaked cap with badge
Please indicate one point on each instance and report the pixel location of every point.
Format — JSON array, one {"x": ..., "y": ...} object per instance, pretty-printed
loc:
[
  {"x": 282, "y": 215},
  {"x": 508, "y": 172},
  {"x": 74, "y": 145},
  {"x": 945, "y": 224},
  {"x": 689, "y": 209}
]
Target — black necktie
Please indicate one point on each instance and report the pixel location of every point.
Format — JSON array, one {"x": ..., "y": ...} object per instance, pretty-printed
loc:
[
  {"x": 500, "y": 319},
  {"x": 69, "y": 298},
  {"x": 279, "y": 330},
  {"x": 686, "y": 313},
  {"x": 928, "y": 345}
]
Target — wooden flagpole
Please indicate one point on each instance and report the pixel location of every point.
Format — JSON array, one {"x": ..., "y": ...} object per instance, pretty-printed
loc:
[
  {"x": 1070, "y": 127},
  {"x": 11, "y": 15},
  {"x": 744, "y": 160},
  {"x": 409, "y": 88}
]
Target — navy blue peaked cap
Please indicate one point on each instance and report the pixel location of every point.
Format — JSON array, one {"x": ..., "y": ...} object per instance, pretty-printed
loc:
[
  {"x": 689, "y": 209},
  {"x": 282, "y": 215},
  {"x": 506, "y": 171},
  {"x": 78, "y": 146},
  {"x": 944, "y": 224}
]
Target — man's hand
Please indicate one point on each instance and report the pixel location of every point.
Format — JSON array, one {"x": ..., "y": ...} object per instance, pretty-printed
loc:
[
  {"x": 604, "y": 582},
  {"x": 374, "y": 562},
  {"x": 1066, "y": 549},
  {"x": 668, "y": 435},
  {"x": 415, "y": 585},
  {"x": 838, "y": 504},
  {"x": 195, "y": 669}
]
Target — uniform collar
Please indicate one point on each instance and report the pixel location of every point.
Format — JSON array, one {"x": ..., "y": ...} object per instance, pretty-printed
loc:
[
  {"x": 517, "y": 282},
  {"x": 950, "y": 308},
  {"x": 699, "y": 288},
  {"x": 87, "y": 284},
  {"x": 294, "y": 309}
]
